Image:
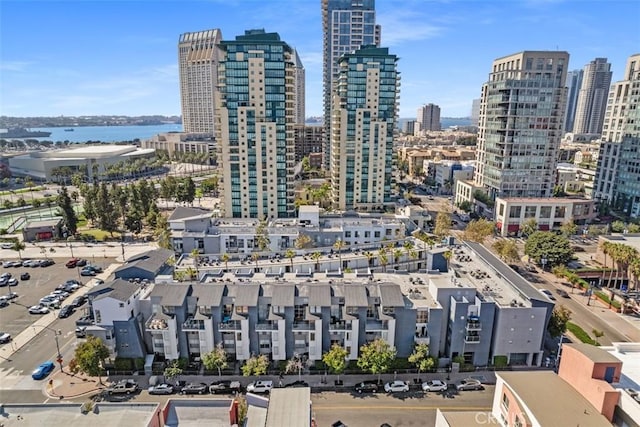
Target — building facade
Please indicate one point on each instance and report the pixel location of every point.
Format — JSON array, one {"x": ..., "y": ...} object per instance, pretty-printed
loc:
[
  {"x": 592, "y": 99},
  {"x": 255, "y": 131},
  {"x": 363, "y": 120},
  {"x": 309, "y": 140},
  {"x": 178, "y": 143},
  {"x": 428, "y": 118},
  {"x": 574, "y": 82},
  {"x": 346, "y": 25},
  {"x": 620, "y": 126},
  {"x": 300, "y": 93},
  {"x": 198, "y": 63},
  {"x": 521, "y": 118}
]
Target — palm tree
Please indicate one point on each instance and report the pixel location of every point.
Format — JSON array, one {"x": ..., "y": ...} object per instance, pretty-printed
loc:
[
  {"x": 225, "y": 259},
  {"x": 447, "y": 256},
  {"x": 614, "y": 253},
  {"x": 397, "y": 253},
  {"x": 606, "y": 250},
  {"x": 383, "y": 258},
  {"x": 195, "y": 254},
  {"x": 316, "y": 257},
  {"x": 370, "y": 257},
  {"x": 290, "y": 253},
  {"x": 413, "y": 254},
  {"x": 634, "y": 269},
  {"x": 338, "y": 245},
  {"x": 191, "y": 273},
  {"x": 255, "y": 256},
  {"x": 18, "y": 246}
]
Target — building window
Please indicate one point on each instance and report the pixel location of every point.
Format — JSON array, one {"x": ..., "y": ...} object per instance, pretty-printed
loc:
[
  {"x": 505, "y": 402},
  {"x": 514, "y": 212},
  {"x": 545, "y": 212},
  {"x": 242, "y": 309},
  {"x": 530, "y": 211},
  {"x": 299, "y": 311},
  {"x": 422, "y": 316},
  {"x": 560, "y": 211}
]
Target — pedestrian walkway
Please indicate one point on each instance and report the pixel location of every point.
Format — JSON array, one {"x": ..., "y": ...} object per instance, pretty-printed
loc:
[{"x": 64, "y": 385}]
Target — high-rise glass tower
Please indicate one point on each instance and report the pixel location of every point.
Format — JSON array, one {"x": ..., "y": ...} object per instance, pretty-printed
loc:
[
  {"x": 574, "y": 81},
  {"x": 618, "y": 173},
  {"x": 198, "y": 62},
  {"x": 429, "y": 117},
  {"x": 299, "y": 100},
  {"x": 255, "y": 125},
  {"x": 363, "y": 118},
  {"x": 592, "y": 99},
  {"x": 521, "y": 116},
  {"x": 347, "y": 25}
]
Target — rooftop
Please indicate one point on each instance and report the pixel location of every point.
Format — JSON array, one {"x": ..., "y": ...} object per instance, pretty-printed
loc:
[
  {"x": 565, "y": 406},
  {"x": 469, "y": 418},
  {"x": 69, "y": 414},
  {"x": 289, "y": 407}
]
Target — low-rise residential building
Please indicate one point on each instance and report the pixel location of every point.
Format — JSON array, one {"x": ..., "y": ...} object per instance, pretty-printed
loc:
[
  {"x": 549, "y": 213},
  {"x": 177, "y": 143},
  {"x": 309, "y": 140}
]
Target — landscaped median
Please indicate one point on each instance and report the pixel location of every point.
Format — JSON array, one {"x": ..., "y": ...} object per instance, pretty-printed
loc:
[{"x": 580, "y": 334}]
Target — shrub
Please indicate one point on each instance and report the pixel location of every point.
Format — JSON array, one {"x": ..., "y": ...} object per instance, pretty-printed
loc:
[
  {"x": 604, "y": 297},
  {"x": 123, "y": 364},
  {"x": 500, "y": 361},
  {"x": 580, "y": 333}
]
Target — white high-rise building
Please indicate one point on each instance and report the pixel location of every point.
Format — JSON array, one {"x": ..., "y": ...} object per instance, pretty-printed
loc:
[
  {"x": 475, "y": 112},
  {"x": 592, "y": 99},
  {"x": 521, "y": 117},
  {"x": 574, "y": 81},
  {"x": 346, "y": 25},
  {"x": 198, "y": 62},
  {"x": 300, "y": 89},
  {"x": 428, "y": 117}
]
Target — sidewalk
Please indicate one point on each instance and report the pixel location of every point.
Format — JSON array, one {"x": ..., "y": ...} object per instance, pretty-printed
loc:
[
  {"x": 64, "y": 385},
  {"x": 44, "y": 322}
]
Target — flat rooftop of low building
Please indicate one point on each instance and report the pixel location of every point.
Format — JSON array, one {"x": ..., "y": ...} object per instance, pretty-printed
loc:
[
  {"x": 289, "y": 407},
  {"x": 469, "y": 418},
  {"x": 629, "y": 354},
  {"x": 70, "y": 414},
  {"x": 629, "y": 239},
  {"x": 544, "y": 200},
  {"x": 195, "y": 413},
  {"x": 552, "y": 401}
]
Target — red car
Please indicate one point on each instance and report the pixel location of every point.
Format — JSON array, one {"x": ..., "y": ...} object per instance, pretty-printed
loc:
[{"x": 72, "y": 263}]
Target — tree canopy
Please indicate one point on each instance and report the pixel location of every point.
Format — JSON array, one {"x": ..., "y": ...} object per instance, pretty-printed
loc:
[
  {"x": 478, "y": 230},
  {"x": 255, "y": 365},
  {"x": 215, "y": 359},
  {"x": 89, "y": 356},
  {"x": 443, "y": 224},
  {"x": 558, "y": 321},
  {"x": 336, "y": 359},
  {"x": 555, "y": 248},
  {"x": 376, "y": 357},
  {"x": 507, "y": 250},
  {"x": 420, "y": 358}
]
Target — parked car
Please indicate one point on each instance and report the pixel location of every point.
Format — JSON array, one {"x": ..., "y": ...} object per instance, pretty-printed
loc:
[
  {"x": 226, "y": 386},
  {"x": 7, "y": 245},
  {"x": 163, "y": 388},
  {"x": 81, "y": 262},
  {"x": 548, "y": 293},
  {"x": 79, "y": 301},
  {"x": 81, "y": 332},
  {"x": 72, "y": 263},
  {"x": 38, "y": 309},
  {"x": 562, "y": 293},
  {"x": 87, "y": 272},
  {"x": 7, "y": 264},
  {"x": 366, "y": 387},
  {"x": 25, "y": 276},
  {"x": 469, "y": 384},
  {"x": 5, "y": 276},
  {"x": 95, "y": 268},
  {"x": 396, "y": 386},
  {"x": 10, "y": 296},
  {"x": 3, "y": 302},
  {"x": 16, "y": 264},
  {"x": 31, "y": 263},
  {"x": 263, "y": 386},
  {"x": 4, "y": 337},
  {"x": 12, "y": 282},
  {"x": 42, "y": 371},
  {"x": 127, "y": 386},
  {"x": 194, "y": 388},
  {"x": 46, "y": 262},
  {"x": 297, "y": 384},
  {"x": 66, "y": 311},
  {"x": 434, "y": 385}
]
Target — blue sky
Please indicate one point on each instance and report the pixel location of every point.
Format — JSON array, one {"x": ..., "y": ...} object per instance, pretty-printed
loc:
[{"x": 120, "y": 57}]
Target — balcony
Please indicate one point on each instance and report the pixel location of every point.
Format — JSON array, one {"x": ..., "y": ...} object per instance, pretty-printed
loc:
[
  {"x": 267, "y": 326},
  {"x": 303, "y": 326},
  {"x": 231, "y": 325},
  {"x": 376, "y": 325},
  {"x": 470, "y": 339},
  {"x": 473, "y": 325},
  {"x": 193, "y": 325},
  {"x": 340, "y": 325},
  {"x": 157, "y": 323},
  {"x": 422, "y": 339}
]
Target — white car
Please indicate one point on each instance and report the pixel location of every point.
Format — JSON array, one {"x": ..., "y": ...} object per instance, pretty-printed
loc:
[
  {"x": 7, "y": 245},
  {"x": 4, "y": 337},
  {"x": 434, "y": 385},
  {"x": 260, "y": 387},
  {"x": 396, "y": 386},
  {"x": 548, "y": 293},
  {"x": 38, "y": 309}
]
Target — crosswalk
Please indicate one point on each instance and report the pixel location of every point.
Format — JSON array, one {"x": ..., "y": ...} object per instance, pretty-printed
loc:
[{"x": 12, "y": 379}]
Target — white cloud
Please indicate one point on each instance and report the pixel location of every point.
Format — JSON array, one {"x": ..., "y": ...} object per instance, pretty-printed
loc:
[
  {"x": 399, "y": 26},
  {"x": 311, "y": 59},
  {"x": 14, "y": 65}
]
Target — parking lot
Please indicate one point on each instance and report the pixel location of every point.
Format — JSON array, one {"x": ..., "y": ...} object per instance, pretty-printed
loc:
[{"x": 15, "y": 317}]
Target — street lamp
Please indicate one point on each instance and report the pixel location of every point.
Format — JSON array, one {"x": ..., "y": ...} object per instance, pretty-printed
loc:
[
  {"x": 543, "y": 261},
  {"x": 56, "y": 334}
]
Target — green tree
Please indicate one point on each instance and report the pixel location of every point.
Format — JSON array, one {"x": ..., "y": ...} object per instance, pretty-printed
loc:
[
  {"x": 556, "y": 249},
  {"x": 466, "y": 206},
  {"x": 262, "y": 236},
  {"x": 105, "y": 209},
  {"x": 173, "y": 371},
  {"x": 443, "y": 225},
  {"x": 18, "y": 246},
  {"x": 420, "y": 358},
  {"x": 558, "y": 321},
  {"x": 478, "y": 230},
  {"x": 569, "y": 228},
  {"x": 316, "y": 257},
  {"x": 376, "y": 357},
  {"x": 291, "y": 254},
  {"x": 69, "y": 217},
  {"x": 597, "y": 334},
  {"x": 195, "y": 254},
  {"x": 162, "y": 232},
  {"x": 338, "y": 245},
  {"x": 216, "y": 359},
  {"x": 89, "y": 357},
  {"x": 225, "y": 258},
  {"x": 303, "y": 241},
  {"x": 529, "y": 226},
  {"x": 507, "y": 250},
  {"x": 336, "y": 359},
  {"x": 255, "y": 365},
  {"x": 617, "y": 226}
]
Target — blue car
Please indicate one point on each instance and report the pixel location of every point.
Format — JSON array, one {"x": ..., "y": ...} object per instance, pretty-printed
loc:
[{"x": 42, "y": 371}]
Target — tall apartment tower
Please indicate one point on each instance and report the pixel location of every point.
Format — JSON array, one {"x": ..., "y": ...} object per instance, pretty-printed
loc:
[
  {"x": 363, "y": 119},
  {"x": 475, "y": 112},
  {"x": 574, "y": 82},
  {"x": 618, "y": 173},
  {"x": 198, "y": 61},
  {"x": 255, "y": 126},
  {"x": 346, "y": 25},
  {"x": 592, "y": 99},
  {"x": 521, "y": 116},
  {"x": 429, "y": 117},
  {"x": 299, "y": 100}
]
